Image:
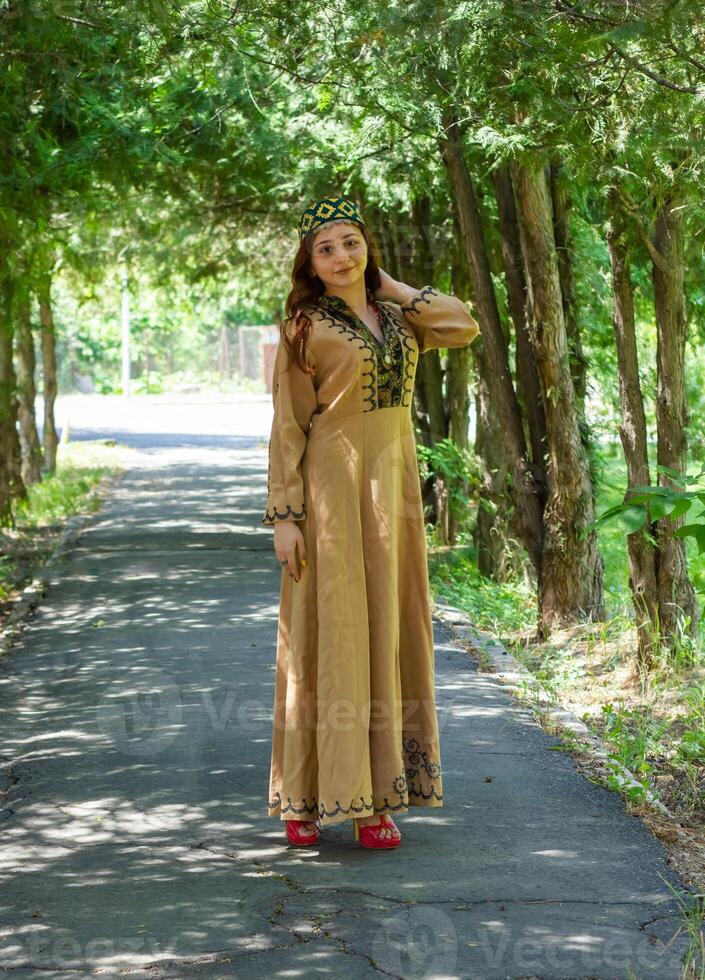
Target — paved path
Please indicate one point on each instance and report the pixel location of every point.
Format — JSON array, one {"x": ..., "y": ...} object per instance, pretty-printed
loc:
[{"x": 136, "y": 714}]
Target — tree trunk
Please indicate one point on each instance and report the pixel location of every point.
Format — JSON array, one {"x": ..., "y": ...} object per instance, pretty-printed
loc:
[
  {"x": 459, "y": 366},
  {"x": 528, "y": 382},
  {"x": 11, "y": 484},
  {"x": 677, "y": 606},
  {"x": 385, "y": 240},
  {"x": 26, "y": 391},
  {"x": 632, "y": 432},
  {"x": 458, "y": 401},
  {"x": 418, "y": 270},
  {"x": 561, "y": 203},
  {"x": 514, "y": 480},
  {"x": 224, "y": 360},
  {"x": 49, "y": 370},
  {"x": 570, "y": 587},
  {"x": 492, "y": 532},
  {"x": 421, "y": 258},
  {"x": 415, "y": 258}
]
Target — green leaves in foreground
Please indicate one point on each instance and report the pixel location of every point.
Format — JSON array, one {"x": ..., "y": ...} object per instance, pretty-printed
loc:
[{"x": 644, "y": 505}]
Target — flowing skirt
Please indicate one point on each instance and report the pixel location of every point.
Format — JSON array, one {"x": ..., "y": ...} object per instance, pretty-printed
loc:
[{"x": 355, "y": 728}]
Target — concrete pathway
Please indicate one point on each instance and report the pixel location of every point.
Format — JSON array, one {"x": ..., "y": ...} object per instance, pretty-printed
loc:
[{"x": 135, "y": 714}]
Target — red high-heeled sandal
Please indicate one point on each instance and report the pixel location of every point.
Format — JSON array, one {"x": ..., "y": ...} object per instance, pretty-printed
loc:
[
  {"x": 294, "y": 835},
  {"x": 369, "y": 834}
]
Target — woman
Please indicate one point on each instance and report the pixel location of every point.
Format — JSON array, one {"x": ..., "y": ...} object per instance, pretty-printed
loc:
[{"x": 355, "y": 732}]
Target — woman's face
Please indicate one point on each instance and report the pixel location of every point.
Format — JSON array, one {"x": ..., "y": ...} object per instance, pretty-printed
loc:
[{"x": 339, "y": 254}]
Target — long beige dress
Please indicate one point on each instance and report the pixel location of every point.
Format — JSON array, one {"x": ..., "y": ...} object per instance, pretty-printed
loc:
[{"x": 355, "y": 729}]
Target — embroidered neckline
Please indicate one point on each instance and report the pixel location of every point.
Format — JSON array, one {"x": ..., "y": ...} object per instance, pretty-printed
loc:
[{"x": 339, "y": 304}]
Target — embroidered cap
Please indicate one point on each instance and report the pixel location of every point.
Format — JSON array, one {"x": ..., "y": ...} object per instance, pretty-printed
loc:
[{"x": 328, "y": 209}]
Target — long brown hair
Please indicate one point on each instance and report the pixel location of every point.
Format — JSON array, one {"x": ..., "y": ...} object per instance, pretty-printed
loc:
[{"x": 305, "y": 292}]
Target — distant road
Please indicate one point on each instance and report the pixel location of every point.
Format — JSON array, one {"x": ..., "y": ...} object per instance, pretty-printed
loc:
[{"x": 143, "y": 421}]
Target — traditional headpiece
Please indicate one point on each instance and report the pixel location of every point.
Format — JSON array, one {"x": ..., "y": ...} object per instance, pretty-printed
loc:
[{"x": 328, "y": 209}]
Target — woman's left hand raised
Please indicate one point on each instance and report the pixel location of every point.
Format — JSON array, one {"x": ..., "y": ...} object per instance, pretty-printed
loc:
[{"x": 392, "y": 291}]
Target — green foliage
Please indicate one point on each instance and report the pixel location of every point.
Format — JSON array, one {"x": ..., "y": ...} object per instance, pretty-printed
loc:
[
  {"x": 184, "y": 139},
  {"x": 71, "y": 489},
  {"x": 490, "y": 605},
  {"x": 633, "y": 734},
  {"x": 458, "y": 468},
  {"x": 39, "y": 520},
  {"x": 645, "y": 505}
]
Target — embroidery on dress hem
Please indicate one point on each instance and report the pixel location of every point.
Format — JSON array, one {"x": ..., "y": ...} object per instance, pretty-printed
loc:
[
  {"x": 418, "y": 759},
  {"x": 410, "y": 307},
  {"x": 415, "y": 755},
  {"x": 426, "y": 796},
  {"x": 321, "y": 810},
  {"x": 290, "y": 807},
  {"x": 399, "y": 785},
  {"x": 392, "y": 806}
]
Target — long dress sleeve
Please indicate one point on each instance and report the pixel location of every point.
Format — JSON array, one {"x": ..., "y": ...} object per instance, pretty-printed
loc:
[
  {"x": 439, "y": 320},
  {"x": 295, "y": 401}
]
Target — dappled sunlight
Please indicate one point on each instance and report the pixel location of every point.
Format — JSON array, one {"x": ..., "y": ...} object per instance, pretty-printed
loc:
[
  {"x": 138, "y": 713},
  {"x": 497, "y": 339},
  {"x": 566, "y": 855},
  {"x": 477, "y": 712}
]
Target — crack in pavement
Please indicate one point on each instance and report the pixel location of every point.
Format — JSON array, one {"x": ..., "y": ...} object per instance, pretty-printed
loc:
[
  {"x": 318, "y": 931},
  {"x": 214, "y": 957},
  {"x": 318, "y": 921},
  {"x": 9, "y": 794}
]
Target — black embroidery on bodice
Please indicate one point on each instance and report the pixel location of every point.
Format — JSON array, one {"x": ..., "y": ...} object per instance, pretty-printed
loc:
[{"x": 391, "y": 362}]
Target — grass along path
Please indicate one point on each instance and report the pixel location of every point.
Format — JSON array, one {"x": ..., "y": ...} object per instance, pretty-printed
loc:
[
  {"x": 84, "y": 473},
  {"x": 655, "y": 725}
]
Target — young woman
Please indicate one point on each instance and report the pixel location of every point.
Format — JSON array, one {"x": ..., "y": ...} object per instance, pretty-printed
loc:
[{"x": 355, "y": 732}]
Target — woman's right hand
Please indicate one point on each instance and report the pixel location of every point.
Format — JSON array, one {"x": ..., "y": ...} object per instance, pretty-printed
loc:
[{"x": 287, "y": 538}]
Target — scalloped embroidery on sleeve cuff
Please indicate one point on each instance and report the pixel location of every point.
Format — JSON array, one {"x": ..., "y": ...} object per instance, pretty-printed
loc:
[
  {"x": 410, "y": 307},
  {"x": 284, "y": 514}
]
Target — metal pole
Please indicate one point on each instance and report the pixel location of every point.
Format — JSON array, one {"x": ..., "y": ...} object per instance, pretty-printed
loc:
[{"x": 125, "y": 330}]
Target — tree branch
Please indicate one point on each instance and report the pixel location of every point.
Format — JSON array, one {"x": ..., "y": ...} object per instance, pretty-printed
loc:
[
  {"x": 78, "y": 20},
  {"x": 685, "y": 89},
  {"x": 631, "y": 211},
  {"x": 693, "y": 61}
]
